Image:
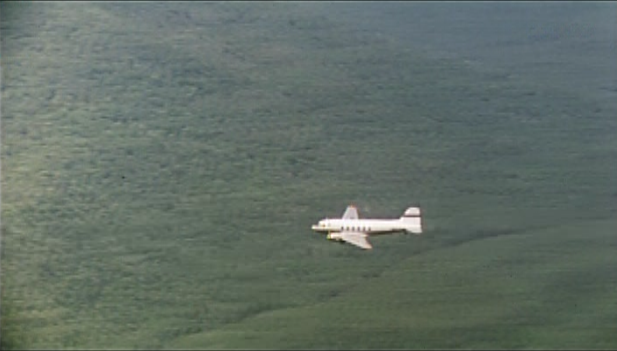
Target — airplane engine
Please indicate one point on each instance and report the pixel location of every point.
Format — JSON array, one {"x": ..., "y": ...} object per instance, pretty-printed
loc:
[{"x": 334, "y": 236}]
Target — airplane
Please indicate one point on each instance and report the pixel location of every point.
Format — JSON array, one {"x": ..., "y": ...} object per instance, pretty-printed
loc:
[{"x": 351, "y": 229}]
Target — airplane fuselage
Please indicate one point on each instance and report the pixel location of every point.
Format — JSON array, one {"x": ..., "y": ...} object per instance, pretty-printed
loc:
[
  {"x": 351, "y": 229},
  {"x": 367, "y": 226}
]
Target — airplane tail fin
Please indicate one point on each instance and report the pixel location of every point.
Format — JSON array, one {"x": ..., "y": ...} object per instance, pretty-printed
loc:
[{"x": 412, "y": 220}]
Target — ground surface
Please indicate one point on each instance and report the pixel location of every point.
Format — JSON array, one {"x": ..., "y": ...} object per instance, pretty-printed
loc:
[{"x": 162, "y": 164}]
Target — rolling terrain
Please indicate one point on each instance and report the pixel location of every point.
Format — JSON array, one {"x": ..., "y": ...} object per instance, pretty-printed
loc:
[{"x": 162, "y": 164}]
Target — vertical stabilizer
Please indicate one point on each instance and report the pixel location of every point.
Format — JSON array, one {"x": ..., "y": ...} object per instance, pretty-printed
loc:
[{"x": 412, "y": 220}]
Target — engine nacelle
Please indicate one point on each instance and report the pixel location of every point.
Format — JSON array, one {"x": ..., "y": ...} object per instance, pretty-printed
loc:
[{"x": 334, "y": 236}]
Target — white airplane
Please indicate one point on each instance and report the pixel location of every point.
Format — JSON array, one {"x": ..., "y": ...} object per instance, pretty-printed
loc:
[{"x": 350, "y": 228}]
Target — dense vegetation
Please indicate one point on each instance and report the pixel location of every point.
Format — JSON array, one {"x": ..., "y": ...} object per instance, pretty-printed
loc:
[{"x": 162, "y": 164}]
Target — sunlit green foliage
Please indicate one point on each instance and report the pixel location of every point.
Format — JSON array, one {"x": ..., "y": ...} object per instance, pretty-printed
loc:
[{"x": 162, "y": 164}]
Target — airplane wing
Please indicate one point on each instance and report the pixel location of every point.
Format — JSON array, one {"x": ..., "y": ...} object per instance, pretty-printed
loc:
[
  {"x": 355, "y": 238},
  {"x": 351, "y": 213}
]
